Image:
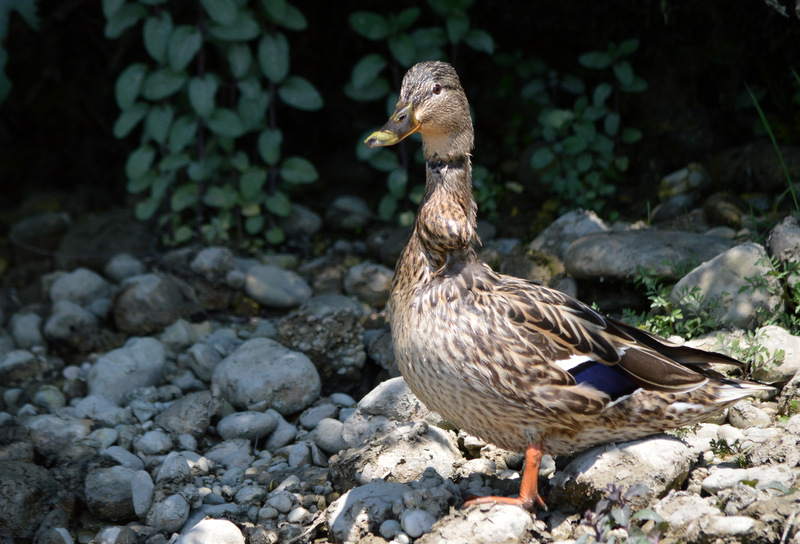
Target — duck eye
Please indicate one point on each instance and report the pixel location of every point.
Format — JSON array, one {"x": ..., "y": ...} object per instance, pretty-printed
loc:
[{"x": 437, "y": 88}]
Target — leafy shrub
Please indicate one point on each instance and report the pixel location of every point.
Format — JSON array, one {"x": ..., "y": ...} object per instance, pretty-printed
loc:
[
  {"x": 209, "y": 162},
  {"x": 27, "y": 10}
]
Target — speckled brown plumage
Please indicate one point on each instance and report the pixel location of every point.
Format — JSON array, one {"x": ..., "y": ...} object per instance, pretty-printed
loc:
[{"x": 513, "y": 362}]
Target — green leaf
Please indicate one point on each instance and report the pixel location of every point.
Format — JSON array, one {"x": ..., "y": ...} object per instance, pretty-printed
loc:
[
  {"x": 158, "y": 122},
  {"x": 373, "y": 91},
  {"x": 584, "y": 162},
  {"x": 240, "y": 58},
  {"x": 269, "y": 145},
  {"x": 182, "y": 133},
  {"x": 156, "y": 32},
  {"x": 299, "y": 93},
  {"x": 110, "y": 7},
  {"x": 631, "y": 135},
  {"x": 386, "y": 207},
  {"x": 183, "y": 234},
  {"x": 285, "y": 14},
  {"x": 146, "y": 209},
  {"x": 624, "y": 72},
  {"x": 597, "y": 60},
  {"x": 223, "y": 12},
  {"x": 278, "y": 204},
  {"x": 556, "y": 118},
  {"x": 480, "y": 40},
  {"x": 198, "y": 171},
  {"x": 611, "y": 124},
  {"x": 122, "y": 19},
  {"x": 647, "y": 514},
  {"x": 252, "y": 109},
  {"x": 638, "y": 85},
  {"x": 273, "y": 56},
  {"x": 141, "y": 184},
  {"x": 574, "y": 144},
  {"x": 370, "y": 25},
  {"x": 585, "y": 130},
  {"x": 297, "y": 170},
  {"x": 367, "y": 70},
  {"x": 542, "y": 158},
  {"x": 403, "y": 49},
  {"x": 174, "y": 161},
  {"x": 601, "y": 94},
  {"x": 139, "y": 162},
  {"x": 252, "y": 182},
  {"x": 162, "y": 83},
  {"x": 202, "y": 91},
  {"x": 628, "y": 47},
  {"x": 603, "y": 145},
  {"x": 396, "y": 182},
  {"x": 184, "y": 197},
  {"x": 457, "y": 26},
  {"x": 226, "y": 123},
  {"x": 220, "y": 197},
  {"x": 240, "y": 161},
  {"x": 184, "y": 44},
  {"x": 404, "y": 19},
  {"x": 573, "y": 84},
  {"x": 245, "y": 28},
  {"x": 128, "y": 85},
  {"x": 254, "y": 224},
  {"x": 383, "y": 160},
  {"x": 275, "y": 236},
  {"x": 128, "y": 119}
]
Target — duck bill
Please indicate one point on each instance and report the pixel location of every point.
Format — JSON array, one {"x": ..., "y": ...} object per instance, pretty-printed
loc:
[{"x": 401, "y": 124}]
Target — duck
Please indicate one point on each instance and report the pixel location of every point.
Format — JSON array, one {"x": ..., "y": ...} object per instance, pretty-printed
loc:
[{"x": 513, "y": 362}]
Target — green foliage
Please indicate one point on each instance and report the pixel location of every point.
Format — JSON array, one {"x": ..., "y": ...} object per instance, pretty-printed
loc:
[
  {"x": 665, "y": 318},
  {"x": 401, "y": 48},
  {"x": 27, "y": 10},
  {"x": 580, "y": 157},
  {"x": 209, "y": 163},
  {"x": 613, "y": 519},
  {"x": 750, "y": 352}
]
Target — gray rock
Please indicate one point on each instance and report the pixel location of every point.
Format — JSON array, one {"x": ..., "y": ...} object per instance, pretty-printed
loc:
[
  {"x": 226, "y": 452},
  {"x": 691, "y": 178},
  {"x": 281, "y": 500},
  {"x": 123, "y": 266},
  {"x": 174, "y": 468},
  {"x": 19, "y": 366},
  {"x": 556, "y": 238},
  {"x": 328, "y": 435},
  {"x": 275, "y": 287},
  {"x": 661, "y": 463},
  {"x": 26, "y": 330},
  {"x": 204, "y": 356},
  {"x": 81, "y": 286},
  {"x": 169, "y": 515},
  {"x": 362, "y": 510},
  {"x": 770, "y": 341},
  {"x": 190, "y": 414},
  {"x": 26, "y": 490},
  {"x": 721, "y": 287},
  {"x": 148, "y": 303},
  {"x": 416, "y": 522},
  {"x": 219, "y": 531},
  {"x": 155, "y": 442},
  {"x": 139, "y": 363},
  {"x": 108, "y": 493},
  {"x": 123, "y": 457},
  {"x": 67, "y": 317},
  {"x": 680, "y": 508},
  {"x": 348, "y": 213},
  {"x": 484, "y": 524},
  {"x": 262, "y": 371},
  {"x": 251, "y": 494},
  {"x": 784, "y": 240},
  {"x": 49, "y": 398},
  {"x": 312, "y": 416},
  {"x": 369, "y": 282},
  {"x": 41, "y": 231},
  {"x": 284, "y": 433},
  {"x": 142, "y": 492},
  {"x": 51, "y": 434},
  {"x": 213, "y": 263},
  {"x": 763, "y": 476},
  {"x": 672, "y": 207},
  {"x": 252, "y": 426},
  {"x": 744, "y": 414},
  {"x": 178, "y": 336},
  {"x": 619, "y": 254},
  {"x": 328, "y": 330},
  {"x": 381, "y": 349},
  {"x": 300, "y": 223},
  {"x": 710, "y": 528},
  {"x": 102, "y": 411}
]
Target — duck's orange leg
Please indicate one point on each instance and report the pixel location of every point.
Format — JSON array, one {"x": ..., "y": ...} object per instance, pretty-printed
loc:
[{"x": 529, "y": 489}]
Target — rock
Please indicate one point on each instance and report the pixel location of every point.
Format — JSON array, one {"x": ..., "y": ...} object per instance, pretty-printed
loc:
[
  {"x": 38, "y": 232},
  {"x": 483, "y": 524},
  {"x": 784, "y": 240},
  {"x": 169, "y": 515},
  {"x": 300, "y": 223},
  {"x": 721, "y": 288},
  {"x": 769, "y": 367},
  {"x": 687, "y": 180},
  {"x": 19, "y": 366},
  {"x": 141, "y": 492},
  {"x": 362, "y": 510},
  {"x": 416, "y": 522},
  {"x": 263, "y": 372},
  {"x": 369, "y": 282},
  {"x": 26, "y": 491},
  {"x": 190, "y": 414},
  {"x": 139, "y": 363},
  {"x": 102, "y": 411},
  {"x": 81, "y": 286},
  {"x": 174, "y": 468},
  {"x": 401, "y": 455},
  {"x": 26, "y": 330},
  {"x": 328, "y": 435},
  {"x": 150, "y": 302},
  {"x": 380, "y": 349},
  {"x": 348, "y": 213},
  {"x": 661, "y": 463},
  {"x": 328, "y": 330},
  {"x": 312, "y": 416},
  {"x": 284, "y": 433},
  {"x": 763, "y": 476},
  {"x": 108, "y": 493},
  {"x": 154, "y": 442},
  {"x": 219, "y": 531},
  {"x": 51, "y": 435},
  {"x": 620, "y": 254},
  {"x": 252, "y": 426},
  {"x": 213, "y": 264},
  {"x": 680, "y": 508},
  {"x": 204, "y": 356},
  {"x": 532, "y": 265},
  {"x": 672, "y": 207},
  {"x": 49, "y": 398},
  {"x": 556, "y": 238},
  {"x": 123, "y": 266},
  {"x": 123, "y": 457},
  {"x": 744, "y": 414},
  {"x": 709, "y": 528},
  {"x": 67, "y": 318},
  {"x": 275, "y": 287}
]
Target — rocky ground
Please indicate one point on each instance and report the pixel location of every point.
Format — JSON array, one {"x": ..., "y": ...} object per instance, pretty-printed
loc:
[{"x": 204, "y": 397}]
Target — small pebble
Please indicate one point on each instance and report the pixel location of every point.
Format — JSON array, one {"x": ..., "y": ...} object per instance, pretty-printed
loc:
[{"x": 416, "y": 522}]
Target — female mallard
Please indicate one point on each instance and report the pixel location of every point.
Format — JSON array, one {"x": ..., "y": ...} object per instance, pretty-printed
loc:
[{"x": 515, "y": 363}]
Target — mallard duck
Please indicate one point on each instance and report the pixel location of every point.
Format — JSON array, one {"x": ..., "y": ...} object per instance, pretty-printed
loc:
[{"x": 515, "y": 363}]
